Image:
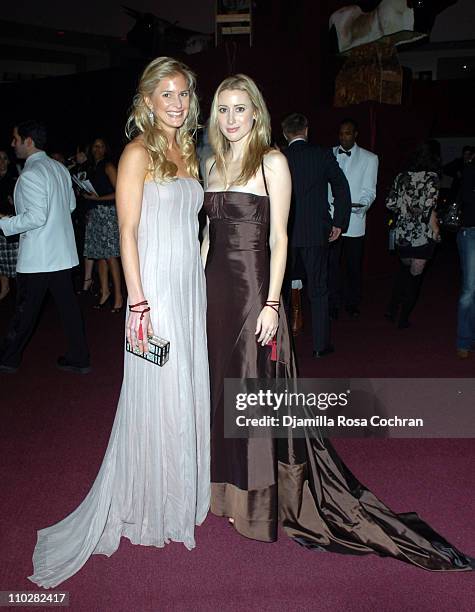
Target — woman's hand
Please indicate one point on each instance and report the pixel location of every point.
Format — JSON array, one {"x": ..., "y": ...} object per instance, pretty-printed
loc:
[
  {"x": 91, "y": 196},
  {"x": 133, "y": 330},
  {"x": 435, "y": 227},
  {"x": 267, "y": 324}
]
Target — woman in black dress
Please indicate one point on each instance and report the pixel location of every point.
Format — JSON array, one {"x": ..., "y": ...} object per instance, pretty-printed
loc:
[
  {"x": 79, "y": 171},
  {"x": 258, "y": 482},
  {"x": 102, "y": 230}
]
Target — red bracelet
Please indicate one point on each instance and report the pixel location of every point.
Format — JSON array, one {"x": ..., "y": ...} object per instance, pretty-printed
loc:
[
  {"x": 144, "y": 303},
  {"x": 142, "y": 312},
  {"x": 273, "y": 304}
]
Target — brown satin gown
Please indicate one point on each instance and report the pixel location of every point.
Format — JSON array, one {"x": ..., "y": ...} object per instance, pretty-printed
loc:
[{"x": 301, "y": 483}]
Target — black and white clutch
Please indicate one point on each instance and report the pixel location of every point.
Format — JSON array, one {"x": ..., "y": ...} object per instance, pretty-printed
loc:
[{"x": 158, "y": 350}]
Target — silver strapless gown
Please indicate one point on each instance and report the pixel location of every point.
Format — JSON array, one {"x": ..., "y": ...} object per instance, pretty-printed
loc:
[{"x": 154, "y": 482}]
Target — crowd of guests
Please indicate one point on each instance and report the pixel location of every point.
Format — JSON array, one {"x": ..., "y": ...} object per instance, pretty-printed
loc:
[
  {"x": 94, "y": 219},
  {"x": 332, "y": 193},
  {"x": 43, "y": 201},
  {"x": 326, "y": 245}
]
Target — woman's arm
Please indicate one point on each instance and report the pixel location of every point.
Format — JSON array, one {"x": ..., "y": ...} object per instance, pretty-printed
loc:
[
  {"x": 133, "y": 168},
  {"x": 431, "y": 191},
  {"x": 205, "y": 241},
  {"x": 111, "y": 173},
  {"x": 432, "y": 188},
  {"x": 392, "y": 199},
  {"x": 280, "y": 189},
  {"x": 434, "y": 225}
]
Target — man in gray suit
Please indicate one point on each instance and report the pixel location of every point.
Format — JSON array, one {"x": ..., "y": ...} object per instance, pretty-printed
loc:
[{"x": 44, "y": 200}]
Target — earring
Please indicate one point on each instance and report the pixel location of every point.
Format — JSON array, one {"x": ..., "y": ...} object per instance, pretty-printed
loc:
[{"x": 151, "y": 116}]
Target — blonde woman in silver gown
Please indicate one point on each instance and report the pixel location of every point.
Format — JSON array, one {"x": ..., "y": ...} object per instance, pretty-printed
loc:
[{"x": 154, "y": 483}]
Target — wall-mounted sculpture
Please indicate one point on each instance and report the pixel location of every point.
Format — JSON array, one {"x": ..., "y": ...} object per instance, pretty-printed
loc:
[{"x": 368, "y": 40}]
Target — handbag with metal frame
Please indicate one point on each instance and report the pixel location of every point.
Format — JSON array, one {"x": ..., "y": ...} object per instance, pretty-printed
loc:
[{"x": 158, "y": 350}]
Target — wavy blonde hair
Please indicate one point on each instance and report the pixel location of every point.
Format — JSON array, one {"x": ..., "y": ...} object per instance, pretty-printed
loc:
[
  {"x": 258, "y": 143},
  {"x": 153, "y": 134}
]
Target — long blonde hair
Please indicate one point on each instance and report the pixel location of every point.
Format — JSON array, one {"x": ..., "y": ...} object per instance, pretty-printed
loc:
[
  {"x": 259, "y": 139},
  {"x": 153, "y": 134}
]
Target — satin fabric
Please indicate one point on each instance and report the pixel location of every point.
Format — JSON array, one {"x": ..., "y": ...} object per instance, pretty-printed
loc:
[{"x": 301, "y": 483}]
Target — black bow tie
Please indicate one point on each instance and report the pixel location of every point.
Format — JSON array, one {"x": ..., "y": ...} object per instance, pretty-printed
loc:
[{"x": 340, "y": 151}]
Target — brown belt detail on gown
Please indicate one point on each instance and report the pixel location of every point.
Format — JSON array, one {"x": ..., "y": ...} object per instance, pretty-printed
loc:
[{"x": 300, "y": 482}]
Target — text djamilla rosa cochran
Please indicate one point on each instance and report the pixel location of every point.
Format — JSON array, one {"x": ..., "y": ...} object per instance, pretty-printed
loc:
[{"x": 323, "y": 420}]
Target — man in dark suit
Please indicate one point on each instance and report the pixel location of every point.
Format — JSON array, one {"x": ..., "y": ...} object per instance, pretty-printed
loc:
[{"x": 311, "y": 227}]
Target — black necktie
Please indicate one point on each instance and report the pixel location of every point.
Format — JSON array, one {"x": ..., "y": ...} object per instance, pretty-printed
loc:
[{"x": 340, "y": 151}]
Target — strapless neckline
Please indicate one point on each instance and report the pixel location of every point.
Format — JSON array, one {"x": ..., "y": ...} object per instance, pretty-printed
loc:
[
  {"x": 186, "y": 178},
  {"x": 177, "y": 178},
  {"x": 248, "y": 193}
]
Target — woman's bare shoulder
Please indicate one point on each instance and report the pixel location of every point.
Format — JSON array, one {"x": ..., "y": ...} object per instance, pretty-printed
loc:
[
  {"x": 136, "y": 146},
  {"x": 135, "y": 153},
  {"x": 275, "y": 160}
]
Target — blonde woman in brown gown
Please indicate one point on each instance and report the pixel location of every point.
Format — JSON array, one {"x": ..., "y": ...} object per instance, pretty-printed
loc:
[{"x": 257, "y": 483}]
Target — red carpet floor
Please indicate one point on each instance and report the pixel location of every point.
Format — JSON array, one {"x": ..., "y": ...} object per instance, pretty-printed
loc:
[{"x": 55, "y": 428}]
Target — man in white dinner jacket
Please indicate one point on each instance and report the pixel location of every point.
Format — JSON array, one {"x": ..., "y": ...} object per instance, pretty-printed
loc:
[
  {"x": 44, "y": 200},
  {"x": 361, "y": 170}
]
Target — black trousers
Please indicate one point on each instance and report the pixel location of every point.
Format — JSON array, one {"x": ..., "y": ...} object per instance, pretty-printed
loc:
[
  {"x": 315, "y": 263},
  {"x": 350, "y": 250},
  {"x": 31, "y": 291}
]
